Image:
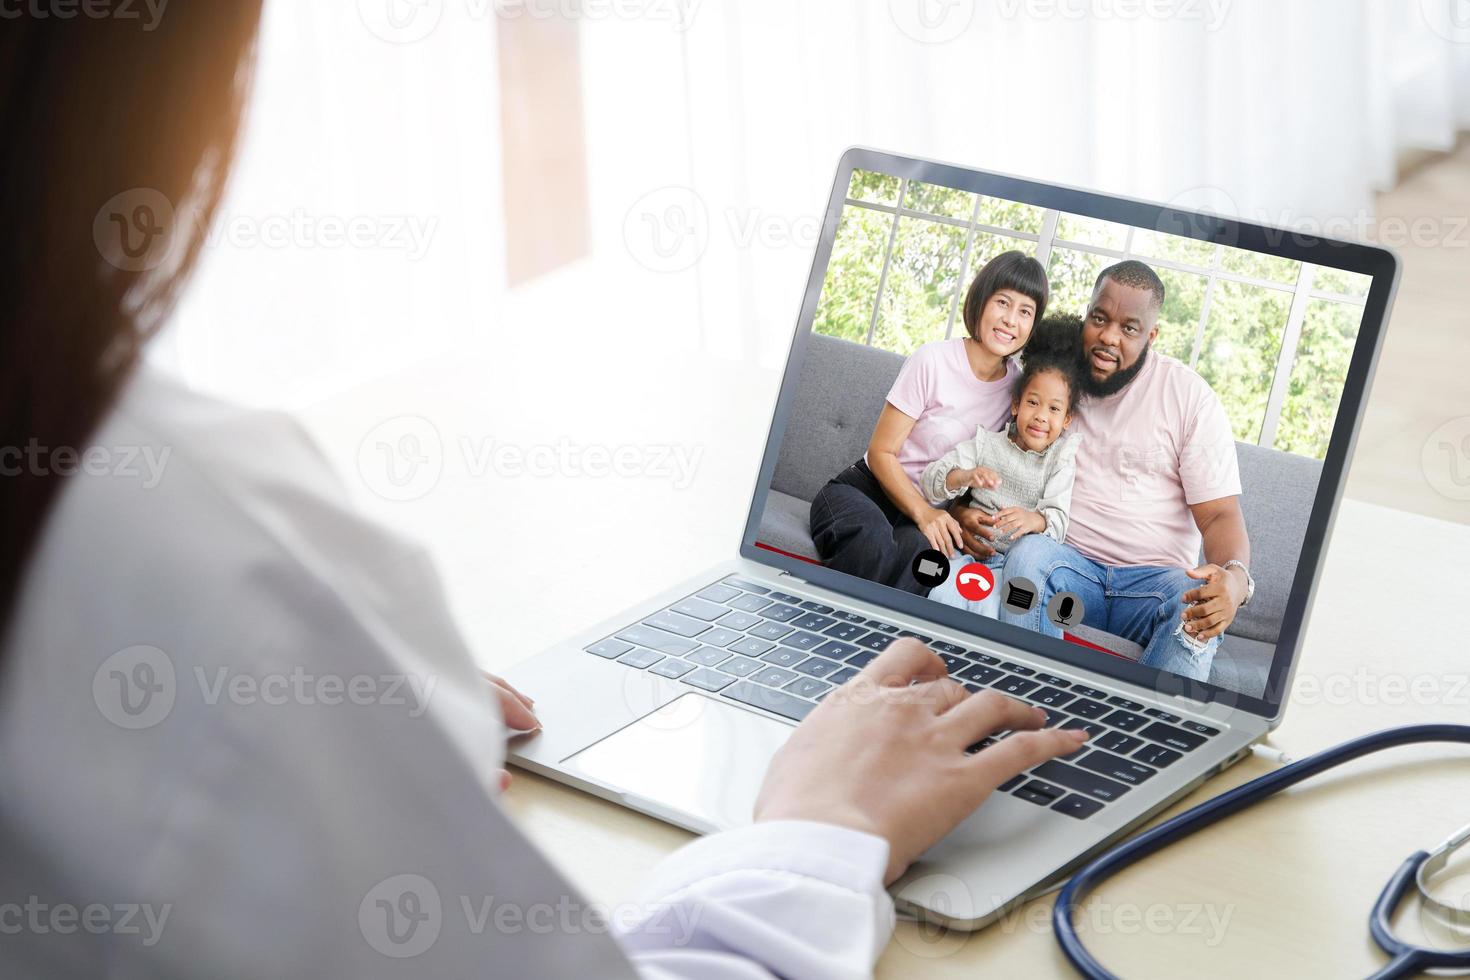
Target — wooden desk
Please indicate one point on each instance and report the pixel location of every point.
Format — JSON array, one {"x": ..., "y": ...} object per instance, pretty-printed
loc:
[{"x": 1283, "y": 890}]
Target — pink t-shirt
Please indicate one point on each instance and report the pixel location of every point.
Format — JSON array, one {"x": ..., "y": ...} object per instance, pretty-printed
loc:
[
  {"x": 1148, "y": 454},
  {"x": 937, "y": 389}
]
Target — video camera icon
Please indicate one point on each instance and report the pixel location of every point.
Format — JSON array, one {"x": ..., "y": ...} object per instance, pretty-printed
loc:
[{"x": 930, "y": 568}]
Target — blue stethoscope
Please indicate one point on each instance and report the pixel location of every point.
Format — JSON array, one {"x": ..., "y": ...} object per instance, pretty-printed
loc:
[{"x": 1417, "y": 869}]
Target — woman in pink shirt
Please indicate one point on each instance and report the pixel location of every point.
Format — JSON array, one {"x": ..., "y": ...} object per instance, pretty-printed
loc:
[{"x": 871, "y": 519}]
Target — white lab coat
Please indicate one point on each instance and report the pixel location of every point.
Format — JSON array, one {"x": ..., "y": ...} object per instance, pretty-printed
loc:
[{"x": 241, "y": 737}]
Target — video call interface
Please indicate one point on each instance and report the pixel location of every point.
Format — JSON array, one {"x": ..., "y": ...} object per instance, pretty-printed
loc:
[{"x": 1062, "y": 423}]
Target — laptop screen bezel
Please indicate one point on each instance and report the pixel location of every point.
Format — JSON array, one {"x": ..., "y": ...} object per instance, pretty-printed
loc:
[{"x": 1380, "y": 264}]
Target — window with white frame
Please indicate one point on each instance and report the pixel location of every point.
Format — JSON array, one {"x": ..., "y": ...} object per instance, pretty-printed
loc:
[{"x": 1272, "y": 336}]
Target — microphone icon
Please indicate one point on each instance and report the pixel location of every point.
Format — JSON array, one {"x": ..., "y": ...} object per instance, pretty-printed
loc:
[{"x": 1064, "y": 610}]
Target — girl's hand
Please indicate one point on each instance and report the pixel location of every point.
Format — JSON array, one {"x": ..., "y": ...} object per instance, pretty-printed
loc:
[
  {"x": 885, "y": 754},
  {"x": 941, "y": 530},
  {"x": 981, "y": 478},
  {"x": 1016, "y": 521}
]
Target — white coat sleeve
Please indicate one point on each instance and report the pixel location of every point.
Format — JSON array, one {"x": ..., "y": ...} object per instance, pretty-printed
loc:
[{"x": 782, "y": 899}]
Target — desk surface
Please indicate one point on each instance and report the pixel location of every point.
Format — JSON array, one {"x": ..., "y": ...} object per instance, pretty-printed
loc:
[{"x": 1283, "y": 890}]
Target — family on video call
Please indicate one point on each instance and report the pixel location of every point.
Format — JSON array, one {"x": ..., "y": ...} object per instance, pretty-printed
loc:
[{"x": 1059, "y": 452}]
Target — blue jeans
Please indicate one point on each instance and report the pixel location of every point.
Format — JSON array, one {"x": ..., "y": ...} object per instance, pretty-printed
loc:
[
  {"x": 946, "y": 594},
  {"x": 1141, "y": 603}
]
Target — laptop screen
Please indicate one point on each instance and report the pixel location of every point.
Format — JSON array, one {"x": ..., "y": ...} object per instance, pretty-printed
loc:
[{"x": 1097, "y": 428}]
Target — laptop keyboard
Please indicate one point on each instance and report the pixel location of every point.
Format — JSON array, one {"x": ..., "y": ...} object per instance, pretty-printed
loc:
[{"x": 782, "y": 653}]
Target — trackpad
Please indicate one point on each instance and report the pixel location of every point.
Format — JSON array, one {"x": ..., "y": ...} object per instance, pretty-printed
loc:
[{"x": 700, "y": 757}]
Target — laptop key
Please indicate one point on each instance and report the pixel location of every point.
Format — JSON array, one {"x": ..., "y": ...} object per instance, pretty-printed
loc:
[
  {"x": 1087, "y": 783},
  {"x": 747, "y": 585},
  {"x": 751, "y": 646},
  {"x": 1050, "y": 696},
  {"x": 740, "y": 666},
  {"x": 706, "y": 679},
  {"x": 1083, "y": 690},
  {"x": 979, "y": 673},
  {"x": 671, "y": 667},
  {"x": 707, "y": 656},
  {"x": 1038, "y": 792},
  {"x": 656, "y": 640},
  {"x": 1053, "y": 680},
  {"x": 816, "y": 607},
  {"x": 1053, "y": 718},
  {"x": 817, "y": 667},
  {"x": 781, "y": 612},
  {"x": 1014, "y": 685},
  {"x": 784, "y": 657},
  {"x": 862, "y": 658},
  {"x": 610, "y": 648},
  {"x": 917, "y": 636},
  {"x": 1077, "y": 806},
  {"x": 1011, "y": 783},
  {"x": 1127, "y": 721},
  {"x": 953, "y": 648},
  {"x": 777, "y": 702},
  {"x": 1161, "y": 715},
  {"x": 1088, "y": 708},
  {"x": 845, "y": 631},
  {"x": 640, "y": 658},
  {"x": 719, "y": 637},
  {"x": 748, "y": 603},
  {"x": 801, "y": 640},
  {"x": 807, "y": 687},
  {"x": 1195, "y": 726},
  {"x": 835, "y": 650},
  {"x": 1117, "y": 742},
  {"x": 773, "y": 676},
  {"x": 1123, "y": 770},
  {"x": 769, "y": 630},
  {"x": 787, "y": 597},
  {"x": 876, "y": 641},
  {"x": 814, "y": 621},
  {"x": 738, "y": 620},
  {"x": 1157, "y": 756},
  {"x": 1017, "y": 668},
  {"x": 718, "y": 592},
  {"x": 953, "y": 664},
  {"x": 1092, "y": 728},
  {"x": 848, "y": 616},
  {"x": 1175, "y": 738},
  {"x": 677, "y": 623},
  {"x": 983, "y": 658},
  {"x": 843, "y": 676},
  {"x": 1121, "y": 702},
  {"x": 881, "y": 627}
]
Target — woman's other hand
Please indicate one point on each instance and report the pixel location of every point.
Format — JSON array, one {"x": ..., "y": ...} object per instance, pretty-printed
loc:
[
  {"x": 941, "y": 529},
  {"x": 976, "y": 529},
  {"x": 885, "y": 754}
]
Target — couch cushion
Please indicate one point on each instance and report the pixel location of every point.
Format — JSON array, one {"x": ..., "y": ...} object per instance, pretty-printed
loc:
[
  {"x": 841, "y": 392},
  {"x": 786, "y": 524},
  {"x": 1242, "y": 664},
  {"x": 1277, "y": 491}
]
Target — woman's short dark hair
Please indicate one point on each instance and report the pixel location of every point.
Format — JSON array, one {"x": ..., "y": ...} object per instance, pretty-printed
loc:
[
  {"x": 1055, "y": 345},
  {"x": 1008, "y": 270}
]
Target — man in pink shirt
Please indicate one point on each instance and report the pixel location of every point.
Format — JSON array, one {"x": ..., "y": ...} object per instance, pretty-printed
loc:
[{"x": 1156, "y": 477}]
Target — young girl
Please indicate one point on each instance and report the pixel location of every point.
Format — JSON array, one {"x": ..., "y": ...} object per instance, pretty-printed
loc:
[{"x": 1022, "y": 475}]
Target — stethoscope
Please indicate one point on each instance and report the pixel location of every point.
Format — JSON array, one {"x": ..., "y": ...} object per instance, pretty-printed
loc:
[{"x": 1417, "y": 869}]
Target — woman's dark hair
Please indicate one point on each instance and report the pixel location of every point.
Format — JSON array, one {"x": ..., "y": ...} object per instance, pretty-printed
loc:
[
  {"x": 1055, "y": 345},
  {"x": 1008, "y": 270},
  {"x": 107, "y": 124}
]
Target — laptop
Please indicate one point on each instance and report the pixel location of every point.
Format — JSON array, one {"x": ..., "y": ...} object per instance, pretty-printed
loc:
[{"x": 675, "y": 706}]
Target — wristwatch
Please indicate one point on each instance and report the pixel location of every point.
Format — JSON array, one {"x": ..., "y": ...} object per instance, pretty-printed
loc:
[{"x": 1250, "y": 582}]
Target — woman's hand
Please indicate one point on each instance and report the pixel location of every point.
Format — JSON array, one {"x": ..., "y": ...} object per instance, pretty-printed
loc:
[
  {"x": 1016, "y": 521},
  {"x": 886, "y": 756},
  {"x": 942, "y": 530}
]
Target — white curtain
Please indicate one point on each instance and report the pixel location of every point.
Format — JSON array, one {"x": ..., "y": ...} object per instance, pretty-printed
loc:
[{"x": 712, "y": 131}]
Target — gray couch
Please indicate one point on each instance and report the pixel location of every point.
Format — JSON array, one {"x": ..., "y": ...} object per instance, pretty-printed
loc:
[{"x": 837, "y": 402}]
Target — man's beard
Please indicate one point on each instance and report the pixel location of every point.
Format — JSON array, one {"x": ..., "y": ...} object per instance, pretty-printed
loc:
[{"x": 1114, "y": 382}]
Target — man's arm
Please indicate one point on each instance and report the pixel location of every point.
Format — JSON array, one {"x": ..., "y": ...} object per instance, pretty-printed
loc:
[{"x": 1222, "y": 526}]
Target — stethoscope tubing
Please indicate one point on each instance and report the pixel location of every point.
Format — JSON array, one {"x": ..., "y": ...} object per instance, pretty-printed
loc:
[{"x": 1404, "y": 958}]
